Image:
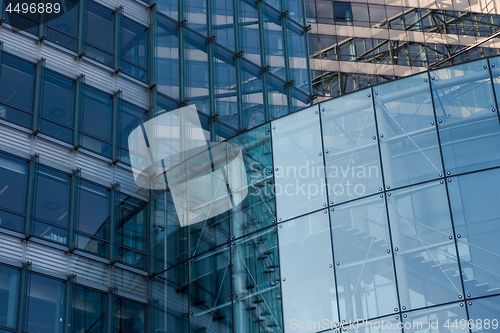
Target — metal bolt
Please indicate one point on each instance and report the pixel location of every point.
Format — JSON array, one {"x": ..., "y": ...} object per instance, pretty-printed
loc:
[
  {"x": 276, "y": 169},
  {"x": 274, "y": 127},
  {"x": 470, "y": 303},
  {"x": 440, "y": 121},
  {"x": 235, "y": 296},
  {"x": 441, "y": 182},
  {"x": 484, "y": 66},
  {"x": 326, "y": 151},
  {"x": 448, "y": 173},
  {"x": 381, "y": 135},
  {"x": 450, "y": 237},
  {"x": 440, "y": 174},
  {"x": 324, "y": 204},
  {"x": 376, "y": 93},
  {"x": 322, "y": 109},
  {"x": 381, "y": 195},
  {"x": 274, "y": 228},
  {"x": 425, "y": 80},
  {"x": 274, "y": 221},
  {"x": 449, "y": 180},
  {"x": 397, "y": 317},
  {"x": 281, "y": 225},
  {"x": 388, "y": 187},
  {"x": 319, "y": 154},
  {"x": 432, "y": 123},
  {"x": 388, "y": 251},
  {"x": 315, "y": 112},
  {"x": 493, "y": 110},
  {"x": 461, "y": 304},
  {"x": 460, "y": 296},
  {"x": 374, "y": 137},
  {"x": 404, "y": 316},
  {"x": 458, "y": 236},
  {"x": 389, "y": 194},
  {"x": 284, "y": 279},
  {"x": 404, "y": 307},
  {"x": 270, "y": 171},
  {"x": 267, "y": 130},
  {"x": 468, "y": 295},
  {"x": 380, "y": 189},
  {"x": 331, "y": 265},
  {"x": 369, "y": 95},
  {"x": 492, "y": 65},
  {"x": 332, "y": 209},
  {"x": 433, "y": 78},
  {"x": 325, "y": 211},
  {"x": 395, "y": 249},
  {"x": 337, "y": 263},
  {"x": 331, "y": 202},
  {"x": 279, "y": 219},
  {"x": 395, "y": 309},
  {"x": 277, "y": 281}
]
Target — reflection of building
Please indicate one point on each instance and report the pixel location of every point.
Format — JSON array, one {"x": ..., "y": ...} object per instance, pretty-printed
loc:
[{"x": 377, "y": 205}]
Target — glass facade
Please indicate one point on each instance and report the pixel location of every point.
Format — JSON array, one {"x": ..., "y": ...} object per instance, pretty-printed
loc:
[{"x": 278, "y": 214}]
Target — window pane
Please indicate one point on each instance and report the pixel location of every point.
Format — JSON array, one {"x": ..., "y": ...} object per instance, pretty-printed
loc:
[
  {"x": 307, "y": 265},
  {"x": 52, "y": 204},
  {"x": 57, "y": 106},
  {"x": 483, "y": 309},
  {"x": 252, "y": 94},
  {"x": 90, "y": 308},
  {"x": 93, "y": 218},
  {"x": 16, "y": 90},
  {"x": 468, "y": 129},
  {"x": 131, "y": 118},
  {"x": 46, "y": 305},
  {"x": 435, "y": 318},
  {"x": 426, "y": 259},
  {"x": 62, "y": 29},
  {"x": 135, "y": 50},
  {"x": 196, "y": 75},
  {"x": 476, "y": 215},
  {"x": 131, "y": 230},
  {"x": 129, "y": 317},
  {"x": 249, "y": 31},
  {"x": 167, "y": 57},
  {"x": 13, "y": 181},
  {"x": 97, "y": 114},
  {"x": 100, "y": 33},
  {"x": 352, "y": 162},
  {"x": 25, "y": 21},
  {"x": 298, "y": 156},
  {"x": 9, "y": 294},
  {"x": 364, "y": 267},
  {"x": 274, "y": 47},
  {"x": 225, "y": 87},
  {"x": 408, "y": 137}
]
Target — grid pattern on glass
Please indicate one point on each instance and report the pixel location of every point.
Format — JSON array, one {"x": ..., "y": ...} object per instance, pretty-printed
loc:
[{"x": 13, "y": 185}]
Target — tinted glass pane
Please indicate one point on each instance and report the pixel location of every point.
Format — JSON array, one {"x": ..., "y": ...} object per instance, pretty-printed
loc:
[
  {"x": 9, "y": 294},
  {"x": 197, "y": 76},
  {"x": 255, "y": 281},
  {"x": 46, "y": 305},
  {"x": 405, "y": 120},
  {"x": 131, "y": 118},
  {"x": 89, "y": 310},
  {"x": 434, "y": 319},
  {"x": 210, "y": 291},
  {"x": 62, "y": 29},
  {"x": 13, "y": 174},
  {"x": 276, "y": 97},
  {"x": 97, "y": 114},
  {"x": 476, "y": 215},
  {"x": 389, "y": 324},
  {"x": 274, "y": 45},
  {"x": 167, "y": 57},
  {"x": 225, "y": 87},
  {"x": 252, "y": 94},
  {"x": 364, "y": 267},
  {"x": 100, "y": 33},
  {"x": 484, "y": 314},
  {"x": 25, "y": 21},
  {"x": 93, "y": 216},
  {"x": 249, "y": 31},
  {"x": 131, "y": 230},
  {"x": 129, "y": 317},
  {"x": 135, "y": 49},
  {"x": 52, "y": 204},
  {"x": 468, "y": 129},
  {"x": 16, "y": 90},
  {"x": 57, "y": 106},
  {"x": 352, "y": 162},
  {"x": 426, "y": 259},
  {"x": 306, "y": 263},
  {"x": 297, "y": 52},
  {"x": 297, "y": 150}
]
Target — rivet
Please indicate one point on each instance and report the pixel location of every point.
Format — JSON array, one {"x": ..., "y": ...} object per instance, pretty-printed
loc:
[
  {"x": 461, "y": 304},
  {"x": 449, "y": 180},
  {"x": 331, "y": 202},
  {"x": 331, "y": 265},
  {"x": 450, "y": 237},
  {"x": 388, "y": 186},
  {"x": 235, "y": 296},
  {"x": 376, "y": 93},
  {"x": 381, "y": 195},
  {"x": 270, "y": 171},
  {"x": 381, "y": 135},
  {"x": 484, "y": 66},
  {"x": 468, "y": 295},
  {"x": 389, "y": 194},
  {"x": 325, "y": 211},
  {"x": 448, "y": 173},
  {"x": 284, "y": 279},
  {"x": 492, "y": 65},
  {"x": 374, "y": 137},
  {"x": 332, "y": 209},
  {"x": 425, "y": 80},
  {"x": 440, "y": 121},
  {"x": 460, "y": 296},
  {"x": 277, "y": 281},
  {"x": 432, "y": 123},
  {"x": 327, "y": 151},
  {"x": 369, "y": 95},
  {"x": 395, "y": 249},
  {"x": 470, "y": 303},
  {"x": 281, "y": 225},
  {"x": 324, "y": 204},
  {"x": 404, "y": 316},
  {"x": 493, "y": 110},
  {"x": 441, "y": 182},
  {"x": 267, "y": 130},
  {"x": 433, "y": 78},
  {"x": 274, "y": 228},
  {"x": 315, "y": 112},
  {"x": 458, "y": 236},
  {"x": 395, "y": 309},
  {"x": 404, "y": 307},
  {"x": 337, "y": 263},
  {"x": 440, "y": 174},
  {"x": 322, "y": 109},
  {"x": 274, "y": 127},
  {"x": 276, "y": 169},
  {"x": 319, "y": 154},
  {"x": 380, "y": 189},
  {"x": 388, "y": 251},
  {"x": 397, "y": 317},
  {"x": 274, "y": 221},
  {"x": 279, "y": 219}
]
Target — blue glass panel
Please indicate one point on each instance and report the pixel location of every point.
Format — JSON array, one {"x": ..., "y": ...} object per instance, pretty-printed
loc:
[
  {"x": 16, "y": 90},
  {"x": 296, "y": 8},
  {"x": 130, "y": 316},
  {"x": 248, "y": 26},
  {"x": 57, "y": 106},
  {"x": 364, "y": 268},
  {"x": 468, "y": 129},
  {"x": 131, "y": 118},
  {"x": 100, "y": 34},
  {"x": 97, "y": 118},
  {"x": 167, "y": 57},
  {"x": 62, "y": 29},
  {"x": 476, "y": 215},
  {"x": 483, "y": 314},
  {"x": 434, "y": 319},
  {"x": 89, "y": 310},
  {"x": 297, "y": 54},
  {"x": 223, "y": 23},
  {"x": 225, "y": 87},
  {"x": 252, "y": 97},
  {"x": 255, "y": 282},
  {"x": 277, "y": 102},
  {"x": 93, "y": 218},
  {"x": 9, "y": 294},
  {"x": 195, "y": 12},
  {"x": 306, "y": 264},
  {"x": 426, "y": 259},
  {"x": 13, "y": 179},
  {"x": 46, "y": 305},
  {"x": 300, "y": 99},
  {"x": 274, "y": 47},
  {"x": 196, "y": 74},
  {"x": 299, "y": 174},
  {"x": 135, "y": 50},
  {"x": 408, "y": 136},
  {"x": 210, "y": 291},
  {"x": 169, "y": 8},
  {"x": 27, "y": 22},
  {"x": 52, "y": 204},
  {"x": 349, "y": 135},
  {"x": 380, "y": 325}
]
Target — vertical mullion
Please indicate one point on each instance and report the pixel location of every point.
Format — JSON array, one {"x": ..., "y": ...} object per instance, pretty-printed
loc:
[
  {"x": 111, "y": 308},
  {"x": 237, "y": 64},
  {"x": 42, "y": 30},
  {"x": 30, "y": 200},
  {"x": 78, "y": 111},
  {"x": 116, "y": 123},
  {"x": 113, "y": 217},
  {"x": 151, "y": 48},
  {"x": 73, "y": 208},
  {"x": 287, "y": 63},
  {"x": 82, "y": 24},
  {"x": 2, "y": 11},
  {"x": 118, "y": 40},
  {"x": 211, "y": 70},
  {"x": 69, "y": 310},
  {"x": 37, "y": 100},
  {"x": 263, "y": 61},
  {"x": 24, "y": 292},
  {"x": 1, "y": 48}
]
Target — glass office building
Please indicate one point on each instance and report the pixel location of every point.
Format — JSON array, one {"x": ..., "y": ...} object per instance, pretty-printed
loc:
[{"x": 380, "y": 205}]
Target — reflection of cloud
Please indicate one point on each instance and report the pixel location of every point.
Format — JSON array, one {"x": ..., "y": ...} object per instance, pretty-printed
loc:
[{"x": 171, "y": 151}]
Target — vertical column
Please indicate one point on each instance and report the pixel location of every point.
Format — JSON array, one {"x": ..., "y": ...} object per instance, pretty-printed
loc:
[
  {"x": 82, "y": 25},
  {"x": 118, "y": 16},
  {"x": 24, "y": 298},
  {"x": 115, "y": 201},
  {"x": 151, "y": 47},
  {"x": 42, "y": 30},
  {"x": 68, "y": 311},
  {"x": 30, "y": 200},
  {"x": 78, "y": 111},
  {"x": 115, "y": 131},
  {"x": 73, "y": 209},
  {"x": 38, "y": 98}
]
